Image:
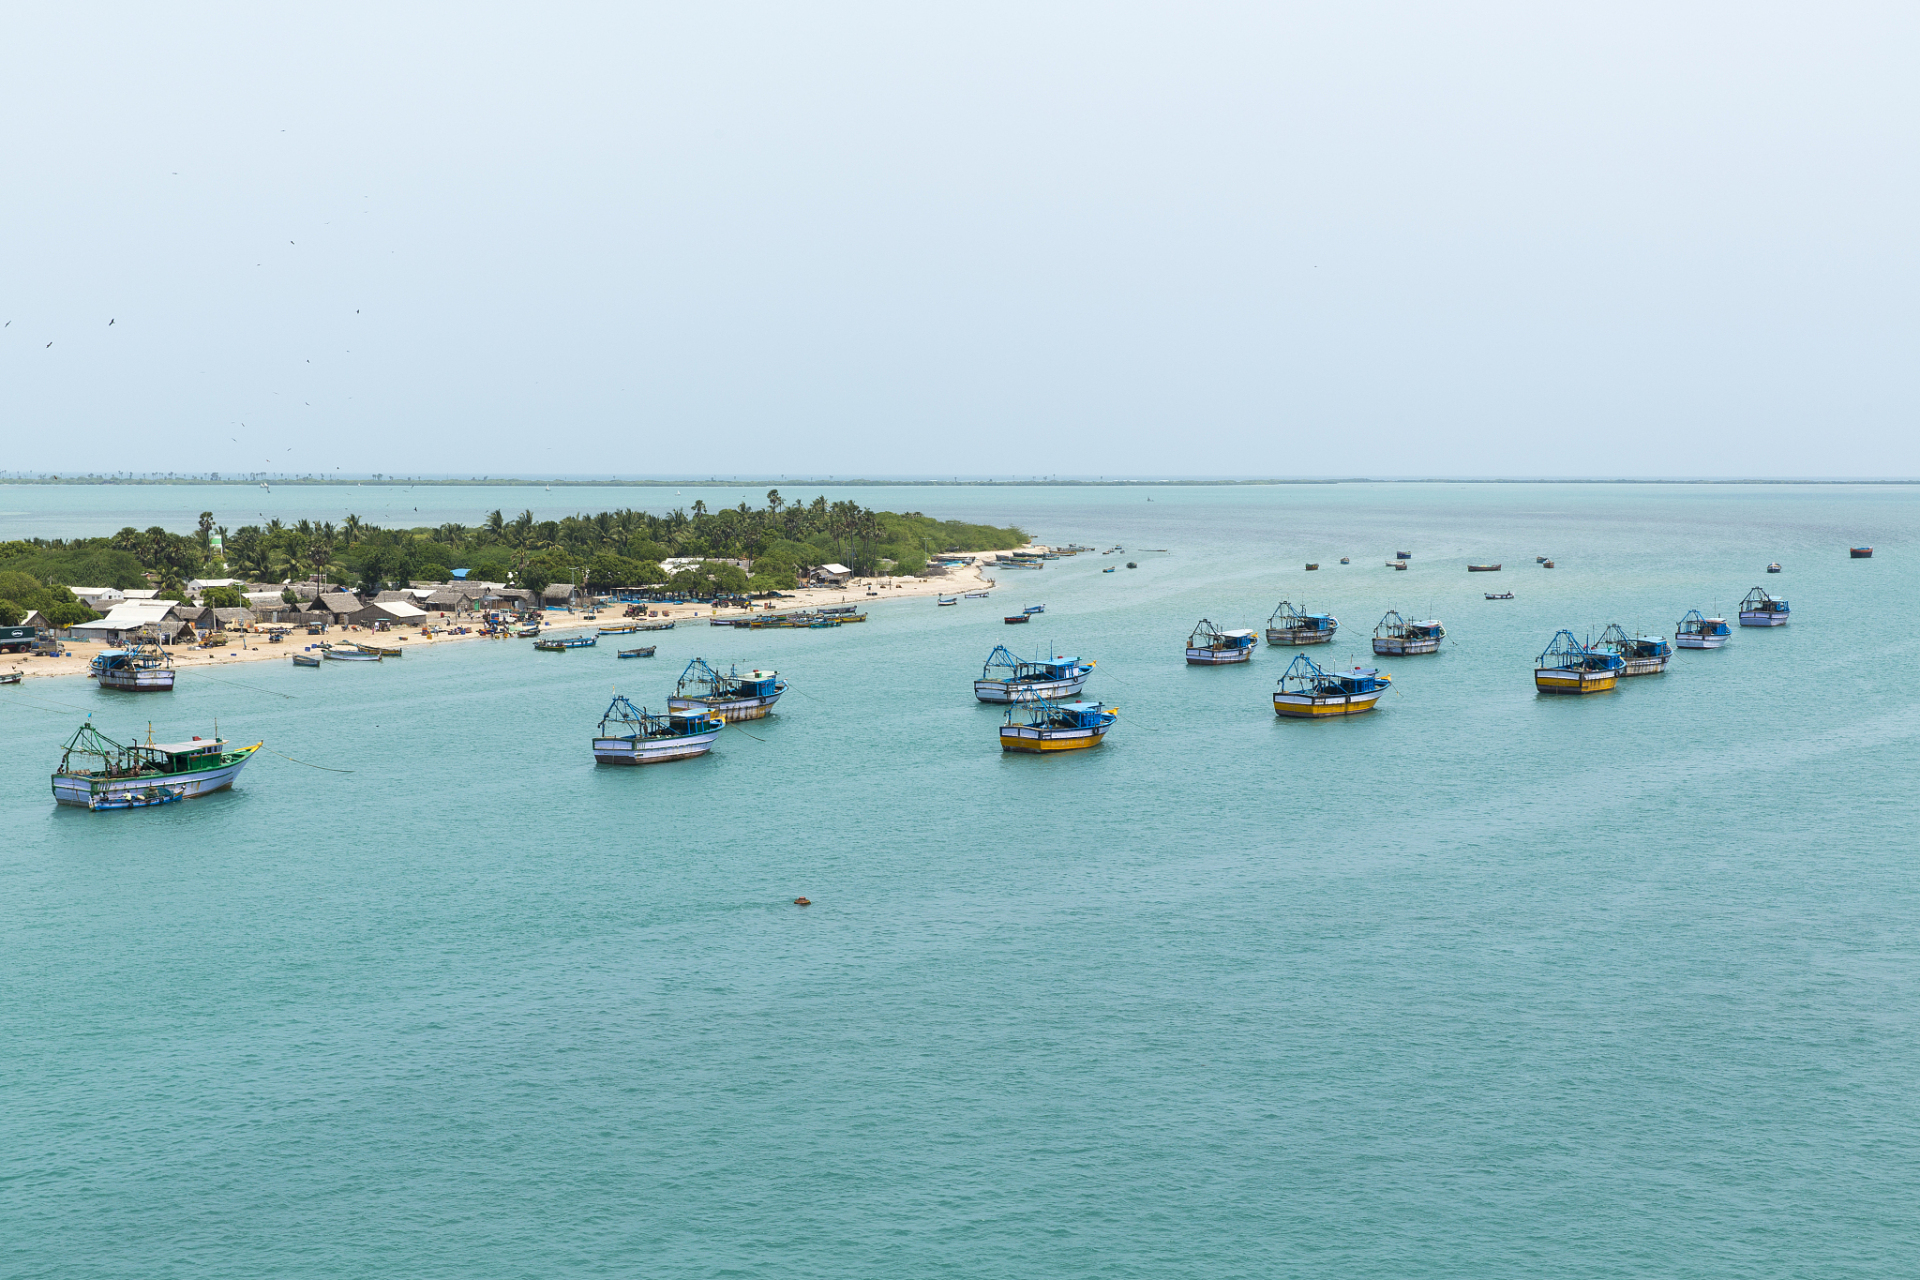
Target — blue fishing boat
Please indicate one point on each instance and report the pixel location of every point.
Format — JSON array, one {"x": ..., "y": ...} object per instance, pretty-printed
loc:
[
  {"x": 637, "y": 736},
  {"x": 1568, "y": 666},
  {"x": 143, "y": 668},
  {"x": 1641, "y": 655},
  {"x": 1293, "y": 626},
  {"x": 731, "y": 697},
  {"x": 1761, "y": 610},
  {"x": 1697, "y": 632},
  {"x": 1308, "y": 692},
  {"x": 1043, "y": 726},
  {"x": 1005, "y": 678},
  {"x": 1396, "y": 637},
  {"x": 1209, "y": 646},
  {"x": 564, "y": 643}
]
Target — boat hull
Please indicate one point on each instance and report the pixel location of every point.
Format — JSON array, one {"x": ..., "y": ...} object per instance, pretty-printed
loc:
[
  {"x": 351, "y": 655},
  {"x": 1685, "y": 641},
  {"x": 731, "y": 710},
  {"x": 1298, "y": 635},
  {"x": 138, "y": 680},
  {"x": 1314, "y": 706},
  {"x": 1395, "y": 647},
  {"x": 1026, "y": 690},
  {"x": 85, "y": 792},
  {"x": 653, "y": 750},
  {"x": 1218, "y": 657},
  {"x": 1762, "y": 618},
  {"x": 1646, "y": 666},
  {"x": 1036, "y": 741},
  {"x": 1564, "y": 680}
]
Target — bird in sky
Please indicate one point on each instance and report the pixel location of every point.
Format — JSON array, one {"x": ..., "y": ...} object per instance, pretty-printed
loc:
[
  {"x": 49, "y": 344},
  {"x": 109, "y": 324}
]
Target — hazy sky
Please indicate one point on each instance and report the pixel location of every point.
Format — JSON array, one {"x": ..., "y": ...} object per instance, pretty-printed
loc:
[{"x": 886, "y": 239}]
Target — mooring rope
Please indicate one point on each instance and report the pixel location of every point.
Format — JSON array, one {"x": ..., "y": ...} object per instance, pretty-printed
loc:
[{"x": 284, "y": 756}]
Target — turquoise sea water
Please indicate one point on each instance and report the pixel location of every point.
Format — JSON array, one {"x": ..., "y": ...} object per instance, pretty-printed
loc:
[{"x": 1484, "y": 984}]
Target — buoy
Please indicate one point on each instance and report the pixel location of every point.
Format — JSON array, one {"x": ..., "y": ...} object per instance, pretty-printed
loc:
[{"x": 802, "y": 902}]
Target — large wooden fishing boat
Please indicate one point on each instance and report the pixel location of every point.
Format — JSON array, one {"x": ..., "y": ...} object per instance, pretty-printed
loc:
[
  {"x": 1761, "y": 610},
  {"x": 1396, "y": 637},
  {"x": 638, "y": 736},
  {"x": 1696, "y": 632},
  {"x": 1043, "y": 726},
  {"x": 1294, "y": 626},
  {"x": 1641, "y": 655},
  {"x": 135, "y": 775},
  {"x": 1209, "y": 646},
  {"x": 1006, "y": 678},
  {"x": 1307, "y": 692},
  {"x": 731, "y": 697},
  {"x": 1567, "y": 666},
  {"x": 144, "y": 667}
]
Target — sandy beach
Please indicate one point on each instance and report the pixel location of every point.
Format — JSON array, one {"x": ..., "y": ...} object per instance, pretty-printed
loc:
[{"x": 245, "y": 647}]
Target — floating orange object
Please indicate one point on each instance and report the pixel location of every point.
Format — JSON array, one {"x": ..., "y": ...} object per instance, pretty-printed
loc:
[{"x": 802, "y": 902}]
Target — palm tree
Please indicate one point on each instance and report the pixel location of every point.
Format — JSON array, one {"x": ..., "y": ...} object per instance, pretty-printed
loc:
[
  {"x": 773, "y": 501},
  {"x": 350, "y": 529},
  {"x": 496, "y": 525}
]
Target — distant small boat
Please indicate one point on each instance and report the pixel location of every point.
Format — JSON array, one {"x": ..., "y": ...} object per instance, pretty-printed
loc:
[
  {"x": 1311, "y": 567},
  {"x": 1032, "y": 609},
  {"x": 1546, "y": 564},
  {"x": 654, "y": 626},
  {"x": 623, "y": 629},
  {"x": 10, "y": 677},
  {"x": 1110, "y": 568},
  {"x": 305, "y": 660},
  {"x": 1860, "y": 553},
  {"x": 1499, "y": 595},
  {"x": 1403, "y": 555},
  {"x": 946, "y": 600},
  {"x": 646, "y": 652},
  {"x": 1539, "y": 559},
  {"x": 1132, "y": 565},
  {"x": 1013, "y": 618},
  {"x": 1396, "y": 564},
  {"x": 527, "y": 633},
  {"x": 1483, "y": 568},
  {"x": 1696, "y": 632},
  {"x": 350, "y": 655},
  {"x": 565, "y": 643},
  {"x": 1345, "y": 560},
  {"x": 1774, "y": 567},
  {"x": 974, "y": 595},
  {"x": 381, "y": 650}
]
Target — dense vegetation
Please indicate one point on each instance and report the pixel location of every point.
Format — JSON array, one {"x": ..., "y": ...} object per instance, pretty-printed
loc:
[{"x": 610, "y": 549}]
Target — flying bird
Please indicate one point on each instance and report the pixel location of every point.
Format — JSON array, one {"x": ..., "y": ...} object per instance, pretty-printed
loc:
[
  {"x": 109, "y": 324},
  {"x": 49, "y": 344}
]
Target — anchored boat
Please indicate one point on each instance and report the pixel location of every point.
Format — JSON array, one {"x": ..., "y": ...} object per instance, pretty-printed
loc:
[
  {"x": 1567, "y": 666},
  {"x": 1044, "y": 725},
  {"x": 1696, "y": 632},
  {"x": 946, "y": 600},
  {"x": 645, "y": 651},
  {"x": 731, "y": 697},
  {"x": 640, "y": 737},
  {"x": 1209, "y": 646},
  {"x": 620, "y": 629},
  {"x": 1396, "y": 637},
  {"x": 564, "y": 643},
  {"x": 331, "y": 654},
  {"x": 1291, "y": 626},
  {"x": 1642, "y": 655},
  {"x": 1483, "y": 568},
  {"x": 1307, "y": 692},
  {"x": 1761, "y": 610},
  {"x": 1006, "y": 678},
  {"x": 144, "y": 668},
  {"x": 379, "y": 651},
  {"x": 1860, "y": 553},
  {"x": 305, "y": 660},
  {"x": 133, "y": 776}
]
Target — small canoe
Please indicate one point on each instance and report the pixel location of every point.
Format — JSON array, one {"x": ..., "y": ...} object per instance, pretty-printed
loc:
[
  {"x": 10, "y": 677},
  {"x": 1345, "y": 560},
  {"x": 1397, "y": 564},
  {"x": 647, "y": 652},
  {"x": 1012, "y": 618},
  {"x": 1860, "y": 553},
  {"x": 1032, "y": 609},
  {"x": 1504, "y": 595},
  {"x": 305, "y": 660},
  {"x": 1546, "y": 564},
  {"x": 1403, "y": 555},
  {"x": 1312, "y": 567},
  {"x": 1110, "y": 568},
  {"x": 378, "y": 650},
  {"x": 350, "y": 655},
  {"x": 1774, "y": 567},
  {"x": 1483, "y": 568},
  {"x": 624, "y": 629},
  {"x": 946, "y": 600},
  {"x": 654, "y": 626}
]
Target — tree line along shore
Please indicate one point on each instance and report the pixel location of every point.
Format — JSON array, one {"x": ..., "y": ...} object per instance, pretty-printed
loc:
[{"x": 733, "y": 549}]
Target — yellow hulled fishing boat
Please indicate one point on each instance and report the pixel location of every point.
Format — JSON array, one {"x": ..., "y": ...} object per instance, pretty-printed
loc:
[
  {"x": 1307, "y": 692},
  {"x": 1043, "y": 726},
  {"x": 1567, "y": 666}
]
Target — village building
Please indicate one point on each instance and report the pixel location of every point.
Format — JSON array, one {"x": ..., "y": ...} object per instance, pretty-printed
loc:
[
  {"x": 832, "y": 575},
  {"x": 336, "y": 607},
  {"x": 392, "y": 612},
  {"x": 98, "y": 599},
  {"x": 128, "y": 618}
]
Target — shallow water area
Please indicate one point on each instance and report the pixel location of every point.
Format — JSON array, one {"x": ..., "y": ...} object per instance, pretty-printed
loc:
[{"x": 1485, "y": 983}]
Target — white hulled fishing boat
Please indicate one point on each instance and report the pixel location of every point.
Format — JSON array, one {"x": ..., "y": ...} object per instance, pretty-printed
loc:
[
  {"x": 1006, "y": 678},
  {"x": 1696, "y": 632},
  {"x": 1396, "y": 637},
  {"x": 1761, "y": 610},
  {"x": 1209, "y": 646},
  {"x": 1641, "y": 655},
  {"x": 1293, "y": 626},
  {"x": 143, "y": 668},
  {"x": 638, "y": 736},
  {"x": 731, "y": 697},
  {"x": 133, "y": 776}
]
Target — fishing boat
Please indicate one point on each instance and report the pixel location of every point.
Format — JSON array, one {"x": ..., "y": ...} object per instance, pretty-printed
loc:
[
  {"x": 335, "y": 654},
  {"x": 1539, "y": 559},
  {"x": 1311, "y": 566},
  {"x": 622, "y": 629},
  {"x": 1761, "y": 610},
  {"x": 1696, "y": 632},
  {"x": 1396, "y": 637},
  {"x": 1307, "y": 692},
  {"x": 975, "y": 595},
  {"x": 654, "y": 626},
  {"x": 946, "y": 600},
  {"x": 1546, "y": 564},
  {"x": 305, "y": 660},
  {"x": 1005, "y": 678},
  {"x": 1345, "y": 560},
  {"x": 98, "y": 773},
  {"x": 564, "y": 643},
  {"x": 1643, "y": 655},
  {"x": 1567, "y": 666},
  {"x": 9, "y": 677},
  {"x": 382, "y": 651},
  {"x": 1292, "y": 626},
  {"x": 143, "y": 668},
  {"x": 1774, "y": 567},
  {"x": 1403, "y": 555},
  {"x": 731, "y": 697},
  {"x": 1498, "y": 595},
  {"x": 1021, "y": 564},
  {"x": 1209, "y": 646},
  {"x": 637, "y": 736},
  {"x": 1110, "y": 568},
  {"x": 1397, "y": 564},
  {"x": 1483, "y": 568},
  {"x": 1015, "y": 619},
  {"x": 1032, "y": 609},
  {"x": 1043, "y": 725},
  {"x": 528, "y": 633},
  {"x": 643, "y": 652},
  {"x": 1860, "y": 553}
]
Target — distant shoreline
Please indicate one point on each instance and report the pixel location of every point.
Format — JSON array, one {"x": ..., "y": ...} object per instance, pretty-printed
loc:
[{"x": 410, "y": 482}]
